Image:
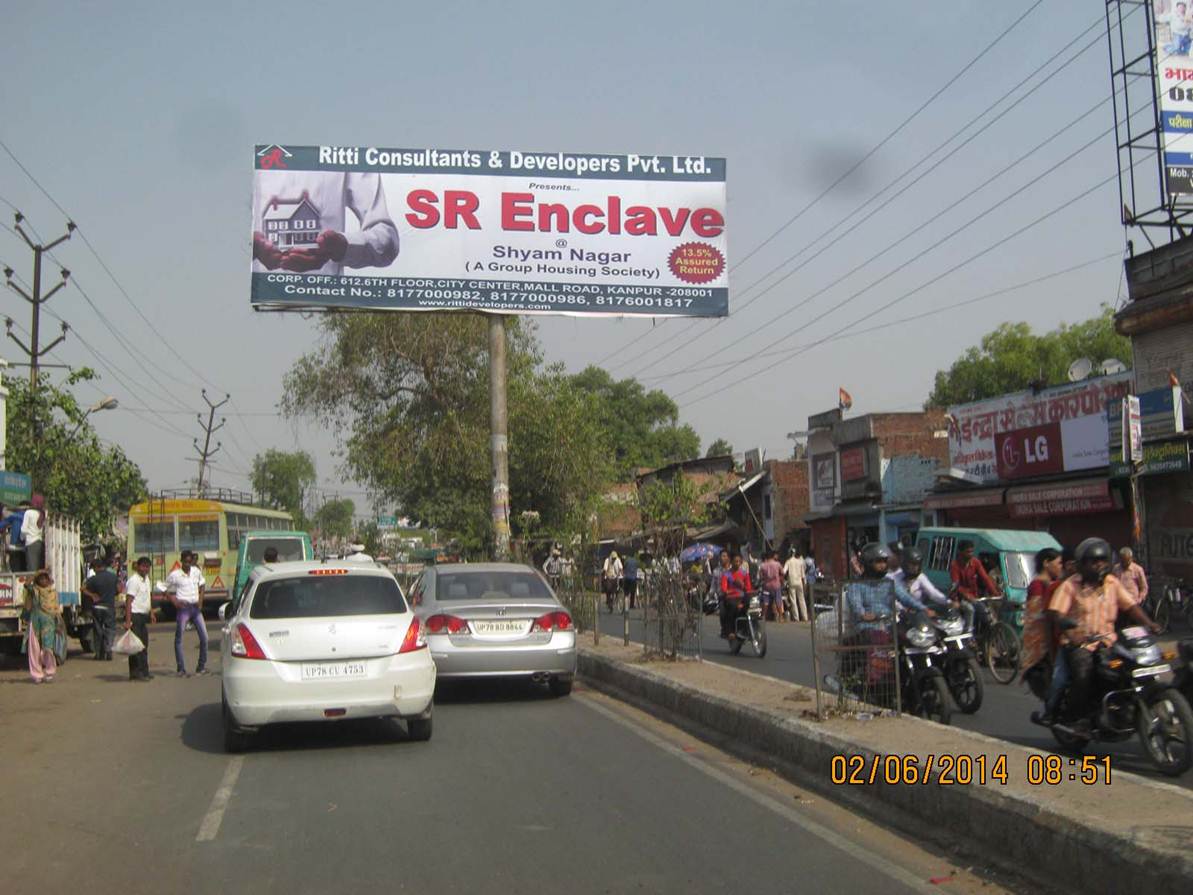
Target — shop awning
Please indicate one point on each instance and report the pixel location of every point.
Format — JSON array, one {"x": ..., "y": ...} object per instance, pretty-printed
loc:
[
  {"x": 1061, "y": 498},
  {"x": 957, "y": 500}
]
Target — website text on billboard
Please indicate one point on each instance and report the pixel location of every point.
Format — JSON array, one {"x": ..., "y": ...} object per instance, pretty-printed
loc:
[{"x": 495, "y": 231}]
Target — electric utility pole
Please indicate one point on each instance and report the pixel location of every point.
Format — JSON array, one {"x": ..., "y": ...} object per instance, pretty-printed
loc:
[
  {"x": 209, "y": 429},
  {"x": 35, "y": 350},
  {"x": 499, "y": 438}
]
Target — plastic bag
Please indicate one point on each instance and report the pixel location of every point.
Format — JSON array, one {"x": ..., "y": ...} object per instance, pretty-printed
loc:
[{"x": 129, "y": 644}]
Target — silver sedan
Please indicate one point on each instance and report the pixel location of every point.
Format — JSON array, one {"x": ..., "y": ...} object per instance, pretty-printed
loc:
[{"x": 496, "y": 620}]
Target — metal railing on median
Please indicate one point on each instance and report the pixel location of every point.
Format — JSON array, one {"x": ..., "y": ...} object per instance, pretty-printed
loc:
[
  {"x": 855, "y": 661},
  {"x": 671, "y": 616}
]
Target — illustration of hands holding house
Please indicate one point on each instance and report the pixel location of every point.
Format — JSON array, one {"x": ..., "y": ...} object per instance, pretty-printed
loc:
[{"x": 330, "y": 245}]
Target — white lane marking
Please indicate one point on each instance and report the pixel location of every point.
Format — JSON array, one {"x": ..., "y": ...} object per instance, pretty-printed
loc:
[
  {"x": 835, "y": 839},
  {"x": 210, "y": 827}
]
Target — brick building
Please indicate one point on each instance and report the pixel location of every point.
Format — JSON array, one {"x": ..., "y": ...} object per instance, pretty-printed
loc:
[
  {"x": 868, "y": 479},
  {"x": 1159, "y": 319}
]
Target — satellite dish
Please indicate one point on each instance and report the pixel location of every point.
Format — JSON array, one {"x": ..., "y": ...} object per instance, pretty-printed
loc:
[
  {"x": 1080, "y": 369},
  {"x": 1113, "y": 365}
]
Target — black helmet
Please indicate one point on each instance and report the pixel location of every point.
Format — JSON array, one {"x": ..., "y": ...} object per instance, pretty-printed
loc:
[
  {"x": 1088, "y": 552},
  {"x": 872, "y": 553},
  {"x": 913, "y": 557}
]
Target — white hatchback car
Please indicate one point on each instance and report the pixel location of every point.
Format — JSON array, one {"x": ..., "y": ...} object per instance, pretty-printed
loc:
[{"x": 310, "y": 641}]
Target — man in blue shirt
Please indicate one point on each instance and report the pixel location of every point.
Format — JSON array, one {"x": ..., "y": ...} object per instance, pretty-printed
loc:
[
  {"x": 629, "y": 580},
  {"x": 871, "y": 600}
]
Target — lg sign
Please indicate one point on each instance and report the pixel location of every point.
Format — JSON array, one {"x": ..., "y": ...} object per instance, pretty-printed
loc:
[{"x": 1029, "y": 452}]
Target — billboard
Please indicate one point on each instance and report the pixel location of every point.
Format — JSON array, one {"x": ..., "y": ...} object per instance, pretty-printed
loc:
[
  {"x": 1174, "y": 71},
  {"x": 824, "y": 479},
  {"x": 1078, "y": 410},
  {"x": 508, "y": 232}
]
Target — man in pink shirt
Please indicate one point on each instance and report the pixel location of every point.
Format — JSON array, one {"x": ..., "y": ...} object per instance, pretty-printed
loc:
[
  {"x": 1130, "y": 575},
  {"x": 770, "y": 575}
]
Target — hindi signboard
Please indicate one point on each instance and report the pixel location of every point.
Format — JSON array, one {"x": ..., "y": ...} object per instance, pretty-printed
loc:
[
  {"x": 507, "y": 232},
  {"x": 1174, "y": 71},
  {"x": 1079, "y": 409}
]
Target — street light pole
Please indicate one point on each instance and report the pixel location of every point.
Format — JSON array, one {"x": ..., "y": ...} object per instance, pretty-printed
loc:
[
  {"x": 108, "y": 403},
  {"x": 499, "y": 438}
]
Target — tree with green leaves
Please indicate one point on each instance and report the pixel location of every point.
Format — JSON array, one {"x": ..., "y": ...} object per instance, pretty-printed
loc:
[
  {"x": 50, "y": 439},
  {"x": 719, "y": 448},
  {"x": 1012, "y": 357},
  {"x": 284, "y": 479},
  {"x": 407, "y": 397},
  {"x": 335, "y": 518},
  {"x": 643, "y": 426}
]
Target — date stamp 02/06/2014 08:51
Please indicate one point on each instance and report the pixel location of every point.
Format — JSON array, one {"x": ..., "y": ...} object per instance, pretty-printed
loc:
[{"x": 964, "y": 770}]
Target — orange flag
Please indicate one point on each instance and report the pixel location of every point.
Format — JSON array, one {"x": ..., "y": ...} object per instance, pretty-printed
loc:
[{"x": 844, "y": 399}]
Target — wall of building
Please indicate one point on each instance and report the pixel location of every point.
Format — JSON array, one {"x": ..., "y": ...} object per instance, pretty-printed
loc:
[
  {"x": 789, "y": 496},
  {"x": 1162, "y": 350}
]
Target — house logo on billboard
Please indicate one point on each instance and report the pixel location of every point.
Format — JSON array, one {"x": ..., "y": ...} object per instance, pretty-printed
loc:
[
  {"x": 291, "y": 223},
  {"x": 273, "y": 157}
]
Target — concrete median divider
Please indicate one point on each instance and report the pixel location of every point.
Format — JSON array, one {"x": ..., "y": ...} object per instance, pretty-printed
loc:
[{"x": 1043, "y": 823}]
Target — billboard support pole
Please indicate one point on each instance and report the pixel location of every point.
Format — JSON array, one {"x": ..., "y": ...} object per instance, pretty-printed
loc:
[{"x": 499, "y": 438}]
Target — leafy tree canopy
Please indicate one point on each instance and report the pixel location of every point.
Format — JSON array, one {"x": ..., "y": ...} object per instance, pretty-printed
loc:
[
  {"x": 407, "y": 396},
  {"x": 334, "y": 518},
  {"x": 284, "y": 479},
  {"x": 1012, "y": 357},
  {"x": 50, "y": 439},
  {"x": 643, "y": 426},
  {"x": 719, "y": 448}
]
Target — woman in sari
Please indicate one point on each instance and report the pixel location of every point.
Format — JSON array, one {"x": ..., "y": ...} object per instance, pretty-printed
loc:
[
  {"x": 45, "y": 624},
  {"x": 1037, "y": 645}
]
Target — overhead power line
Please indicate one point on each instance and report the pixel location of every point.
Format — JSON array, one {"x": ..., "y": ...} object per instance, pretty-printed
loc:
[{"x": 864, "y": 206}]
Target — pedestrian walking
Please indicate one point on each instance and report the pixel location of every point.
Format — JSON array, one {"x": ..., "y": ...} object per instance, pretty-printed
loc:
[
  {"x": 629, "y": 579},
  {"x": 45, "y": 636},
  {"x": 795, "y": 572},
  {"x": 101, "y": 589},
  {"x": 1130, "y": 575},
  {"x": 33, "y": 533},
  {"x": 138, "y": 613},
  {"x": 187, "y": 588},
  {"x": 611, "y": 578},
  {"x": 770, "y": 576}
]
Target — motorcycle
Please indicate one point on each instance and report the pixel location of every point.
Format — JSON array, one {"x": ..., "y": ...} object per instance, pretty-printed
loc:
[
  {"x": 960, "y": 663},
  {"x": 1128, "y": 699},
  {"x": 749, "y": 627},
  {"x": 923, "y": 689}
]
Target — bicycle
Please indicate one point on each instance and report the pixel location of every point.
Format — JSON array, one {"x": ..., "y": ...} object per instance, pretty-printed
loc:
[
  {"x": 1168, "y": 597},
  {"x": 997, "y": 643}
]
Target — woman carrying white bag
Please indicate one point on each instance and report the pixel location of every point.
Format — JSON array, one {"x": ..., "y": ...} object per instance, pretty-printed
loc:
[{"x": 138, "y": 613}]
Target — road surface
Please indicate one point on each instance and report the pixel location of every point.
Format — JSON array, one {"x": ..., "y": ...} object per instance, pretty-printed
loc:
[{"x": 119, "y": 787}]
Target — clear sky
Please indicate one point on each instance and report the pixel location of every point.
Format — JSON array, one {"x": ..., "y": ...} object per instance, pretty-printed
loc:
[{"x": 140, "y": 118}]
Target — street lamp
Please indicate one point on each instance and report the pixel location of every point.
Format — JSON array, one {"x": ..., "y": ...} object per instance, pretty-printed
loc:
[{"x": 108, "y": 403}]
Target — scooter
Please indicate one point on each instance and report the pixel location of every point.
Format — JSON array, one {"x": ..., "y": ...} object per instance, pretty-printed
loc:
[
  {"x": 1128, "y": 699},
  {"x": 960, "y": 663}
]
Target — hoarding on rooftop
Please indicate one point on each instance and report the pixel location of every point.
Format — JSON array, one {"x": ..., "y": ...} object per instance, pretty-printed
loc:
[{"x": 508, "y": 232}]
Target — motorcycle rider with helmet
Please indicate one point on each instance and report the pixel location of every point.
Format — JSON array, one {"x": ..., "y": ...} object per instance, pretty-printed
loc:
[
  {"x": 911, "y": 576},
  {"x": 1093, "y": 598},
  {"x": 871, "y": 600}
]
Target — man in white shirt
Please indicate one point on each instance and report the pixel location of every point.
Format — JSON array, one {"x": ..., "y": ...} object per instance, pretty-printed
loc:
[
  {"x": 32, "y": 534},
  {"x": 322, "y": 197},
  {"x": 138, "y": 613},
  {"x": 186, "y": 587},
  {"x": 795, "y": 572},
  {"x": 912, "y": 577}
]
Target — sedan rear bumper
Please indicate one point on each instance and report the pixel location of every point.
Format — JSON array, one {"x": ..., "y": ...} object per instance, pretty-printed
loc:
[
  {"x": 555, "y": 657},
  {"x": 262, "y": 692}
]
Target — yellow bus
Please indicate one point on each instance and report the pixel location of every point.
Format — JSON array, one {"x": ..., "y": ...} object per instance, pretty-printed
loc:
[{"x": 211, "y": 525}]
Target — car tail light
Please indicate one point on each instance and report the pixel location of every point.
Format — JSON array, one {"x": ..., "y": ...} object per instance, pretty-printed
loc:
[
  {"x": 414, "y": 639},
  {"x": 447, "y": 624},
  {"x": 244, "y": 644},
  {"x": 559, "y": 621}
]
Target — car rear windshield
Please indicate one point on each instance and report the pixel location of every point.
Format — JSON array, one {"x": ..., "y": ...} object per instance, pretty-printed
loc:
[
  {"x": 289, "y": 549},
  {"x": 326, "y": 596},
  {"x": 490, "y": 586}
]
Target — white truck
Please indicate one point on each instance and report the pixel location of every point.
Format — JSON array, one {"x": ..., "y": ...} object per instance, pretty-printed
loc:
[{"x": 64, "y": 559}]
